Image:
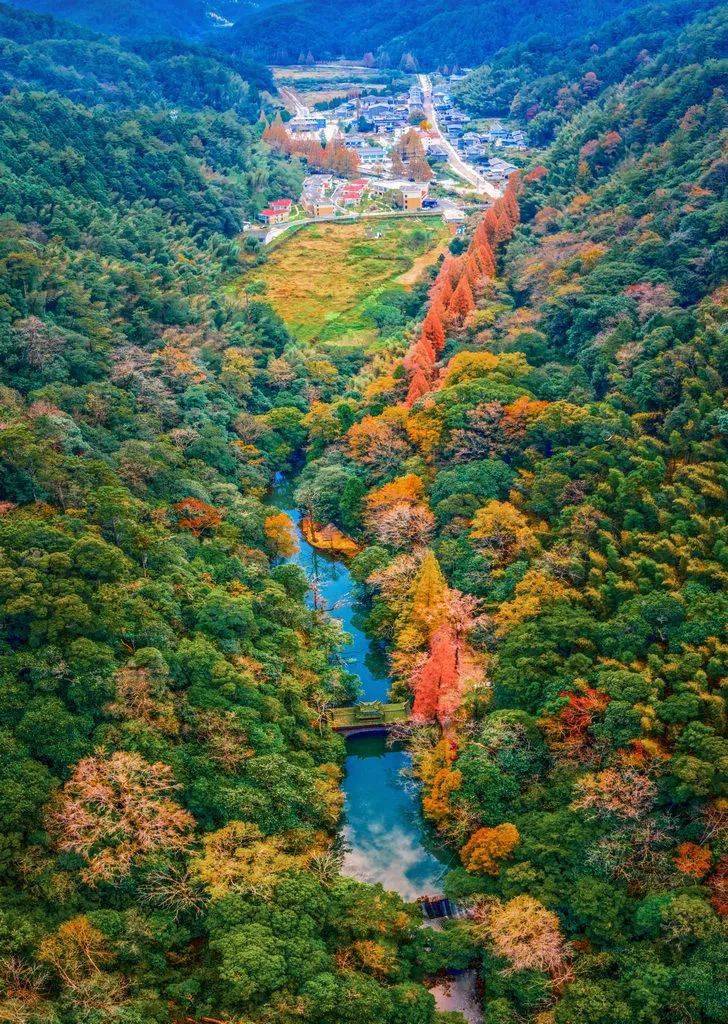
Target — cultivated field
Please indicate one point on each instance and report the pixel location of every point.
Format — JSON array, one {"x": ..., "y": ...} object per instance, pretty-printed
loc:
[{"x": 322, "y": 278}]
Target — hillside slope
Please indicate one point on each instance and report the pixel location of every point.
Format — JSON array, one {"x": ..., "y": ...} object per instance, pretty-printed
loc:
[{"x": 539, "y": 480}]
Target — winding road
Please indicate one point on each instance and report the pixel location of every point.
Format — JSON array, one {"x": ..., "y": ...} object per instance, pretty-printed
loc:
[{"x": 465, "y": 170}]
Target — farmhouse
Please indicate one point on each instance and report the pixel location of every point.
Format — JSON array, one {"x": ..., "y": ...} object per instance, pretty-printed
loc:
[
  {"x": 319, "y": 206},
  {"x": 412, "y": 195},
  {"x": 306, "y": 126},
  {"x": 500, "y": 170},
  {"x": 278, "y": 212},
  {"x": 353, "y": 192},
  {"x": 282, "y": 205}
]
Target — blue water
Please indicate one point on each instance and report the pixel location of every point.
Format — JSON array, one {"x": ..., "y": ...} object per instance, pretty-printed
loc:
[
  {"x": 335, "y": 592},
  {"x": 384, "y": 835}
]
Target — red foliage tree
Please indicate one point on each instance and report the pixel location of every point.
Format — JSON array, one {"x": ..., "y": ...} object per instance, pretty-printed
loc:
[
  {"x": 693, "y": 860},
  {"x": 504, "y": 228},
  {"x": 421, "y": 357},
  {"x": 419, "y": 386},
  {"x": 462, "y": 300},
  {"x": 433, "y": 329},
  {"x": 488, "y": 228},
  {"x": 536, "y": 174},
  {"x": 441, "y": 291},
  {"x": 570, "y": 731},
  {"x": 436, "y": 680},
  {"x": 197, "y": 517},
  {"x": 483, "y": 253}
]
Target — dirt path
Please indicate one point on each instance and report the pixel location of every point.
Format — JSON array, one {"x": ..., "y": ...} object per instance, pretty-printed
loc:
[{"x": 427, "y": 259}]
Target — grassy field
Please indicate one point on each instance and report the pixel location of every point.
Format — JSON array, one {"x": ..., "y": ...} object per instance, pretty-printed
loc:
[{"x": 321, "y": 278}]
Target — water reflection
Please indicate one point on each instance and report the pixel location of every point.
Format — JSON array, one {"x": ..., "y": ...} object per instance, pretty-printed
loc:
[
  {"x": 384, "y": 833},
  {"x": 336, "y": 592},
  {"x": 385, "y": 837}
]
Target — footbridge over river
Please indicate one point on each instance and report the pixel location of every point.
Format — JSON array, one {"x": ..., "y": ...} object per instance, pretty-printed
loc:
[{"x": 368, "y": 717}]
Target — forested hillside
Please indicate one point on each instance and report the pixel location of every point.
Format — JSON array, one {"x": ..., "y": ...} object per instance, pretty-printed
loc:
[
  {"x": 531, "y": 458},
  {"x": 37, "y": 52},
  {"x": 168, "y": 791},
  {"x": 539, "y": 476}
]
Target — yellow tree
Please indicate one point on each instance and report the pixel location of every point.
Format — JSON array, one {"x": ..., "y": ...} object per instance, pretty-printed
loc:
[
  {"x": 428, "y": 607},
  {"x": 280, "y": 532},
  {"x": 503, "y": 533},
  {"x": 487, "y": 847},
  {"x": 524, "y": 932}
]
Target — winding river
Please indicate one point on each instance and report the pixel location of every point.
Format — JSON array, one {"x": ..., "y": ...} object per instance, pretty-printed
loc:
[{"x": 385, "y": 837}]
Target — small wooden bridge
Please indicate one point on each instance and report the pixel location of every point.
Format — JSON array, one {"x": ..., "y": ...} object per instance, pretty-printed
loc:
[{"x": 368, "y": 717}]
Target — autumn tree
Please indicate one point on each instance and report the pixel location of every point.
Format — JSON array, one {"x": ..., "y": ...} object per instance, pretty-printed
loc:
[
  {"x": 503, "y": 532},
  {"x": 462, "y": 301},
  {"x": 432, "y": 327},
  {"x": 281, "y": 533},
  {"x": 378, "y": 442},
  {"x": 418, "y": 387},
  {"x": 197, "y": 516},
  {"x": 525, "y": 934},
  {"x": 78, "y": 954},
  {"x": 487, "y": 847},
  {"x": 115, "y": 811},
  {"x": 239, "y": 859},
  {"x": 427, "y": 605},
  {"x": 436, "y": 679}
]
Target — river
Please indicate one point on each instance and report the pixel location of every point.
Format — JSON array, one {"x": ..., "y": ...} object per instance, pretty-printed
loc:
[{"x": 385, "y": 837}]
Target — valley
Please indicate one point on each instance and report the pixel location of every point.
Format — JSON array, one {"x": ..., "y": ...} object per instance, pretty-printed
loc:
[{"x": 363, "y": 476}]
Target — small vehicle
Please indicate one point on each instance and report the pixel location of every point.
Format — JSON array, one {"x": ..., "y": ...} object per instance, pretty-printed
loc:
[{"x": 429, "y": 204}]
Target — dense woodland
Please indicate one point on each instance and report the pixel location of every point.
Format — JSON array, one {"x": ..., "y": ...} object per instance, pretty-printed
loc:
[
  {"x": 546, "y": 80},
  {"x": 168, "y": 792},
  {"x": 534, "y": 462}
]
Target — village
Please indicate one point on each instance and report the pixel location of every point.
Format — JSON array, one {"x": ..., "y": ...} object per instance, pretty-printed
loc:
[{"x": 403, "y": 151}]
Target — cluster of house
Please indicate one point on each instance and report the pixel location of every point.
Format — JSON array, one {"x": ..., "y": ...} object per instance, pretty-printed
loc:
[
  {"x": 384, "y": 113},
  {"x": 501, "y": 137},
  {"x": 453, "y": 121},
  {"x": 317, "y": 197},
  {"x": 410, "y": 195},
  {"x": 498, "y": 170},
  {"x": 371, "y": 156},
  {"x": 323, "y": 194},
  {"x": 352, "y": 192}
]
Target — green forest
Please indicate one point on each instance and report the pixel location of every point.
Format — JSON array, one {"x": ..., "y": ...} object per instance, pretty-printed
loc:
[{"x": 531, "y": 462}]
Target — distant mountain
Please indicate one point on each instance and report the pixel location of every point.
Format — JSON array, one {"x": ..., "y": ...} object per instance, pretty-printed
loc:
[
  {"x": 181, "y": 19},
  {"x": 38, "y": 52},
  {"x": 434, "y": 31}
]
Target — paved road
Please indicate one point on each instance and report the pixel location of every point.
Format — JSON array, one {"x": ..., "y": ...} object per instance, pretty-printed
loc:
[{"x": 465, "y": 170}]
